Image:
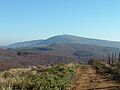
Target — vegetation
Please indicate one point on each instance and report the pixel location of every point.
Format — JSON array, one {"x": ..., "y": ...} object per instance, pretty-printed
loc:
[
  {"x": 110, "y": 71},
  {"x": 57, "y": 77}
]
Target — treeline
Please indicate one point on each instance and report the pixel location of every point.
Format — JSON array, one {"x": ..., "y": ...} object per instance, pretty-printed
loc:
[{"x": 110, "y": 58}]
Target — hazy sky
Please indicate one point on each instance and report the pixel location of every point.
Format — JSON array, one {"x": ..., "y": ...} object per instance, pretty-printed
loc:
[{"x": 22, "y": 20}]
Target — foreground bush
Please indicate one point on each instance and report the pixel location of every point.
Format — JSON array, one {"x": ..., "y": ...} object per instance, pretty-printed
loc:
[
  {"x": 56, "y": 77},
  {"x": 111, "y": 71}
]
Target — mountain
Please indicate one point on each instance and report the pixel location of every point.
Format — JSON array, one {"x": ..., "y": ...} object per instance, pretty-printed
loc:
[
  {"x": 79, "y": 40},
  {"x": 23, "y": 44},
  {"x": 66, "y": 39},
  {"x": 55, "y": 50}
]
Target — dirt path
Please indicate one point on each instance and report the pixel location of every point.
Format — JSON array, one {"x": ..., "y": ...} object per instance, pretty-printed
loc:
[{"x": 88, "y": 79}]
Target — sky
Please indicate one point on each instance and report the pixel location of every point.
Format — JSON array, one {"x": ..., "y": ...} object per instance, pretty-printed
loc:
[{"x": 23, "y": 20}]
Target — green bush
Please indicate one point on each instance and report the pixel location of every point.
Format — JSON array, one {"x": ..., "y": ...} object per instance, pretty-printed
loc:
[{"x": 56, "y": 77}]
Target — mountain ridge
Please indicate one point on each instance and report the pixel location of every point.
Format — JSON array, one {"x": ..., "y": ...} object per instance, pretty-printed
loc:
[{"x": 66, "y": 39}]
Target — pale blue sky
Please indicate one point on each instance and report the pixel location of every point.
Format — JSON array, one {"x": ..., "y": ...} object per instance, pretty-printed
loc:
[{"x": 22, "y": 20}]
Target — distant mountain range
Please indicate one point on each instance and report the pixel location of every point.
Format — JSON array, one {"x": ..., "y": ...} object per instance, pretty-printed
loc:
[
  {"x": 65, "y": 39},
  {"x": 55, "y": 50}
]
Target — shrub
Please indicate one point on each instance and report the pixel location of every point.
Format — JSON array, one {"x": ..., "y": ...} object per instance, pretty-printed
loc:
[{"x": 56, "y": 77}]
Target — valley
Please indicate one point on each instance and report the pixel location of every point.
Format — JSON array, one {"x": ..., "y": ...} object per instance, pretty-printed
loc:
[{"x": 53, "y": 54}]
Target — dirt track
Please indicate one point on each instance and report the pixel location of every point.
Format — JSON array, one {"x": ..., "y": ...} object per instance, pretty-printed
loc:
[{"x": 88, "y": 79}]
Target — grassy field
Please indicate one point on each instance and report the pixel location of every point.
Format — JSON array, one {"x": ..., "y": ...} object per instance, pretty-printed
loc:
[{"x": 57, "y": 77}]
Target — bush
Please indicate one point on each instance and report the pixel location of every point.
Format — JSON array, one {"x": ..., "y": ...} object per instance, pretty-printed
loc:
[
  {"x": 56, "y": 77},
  {"x": 113, "y": 72}
]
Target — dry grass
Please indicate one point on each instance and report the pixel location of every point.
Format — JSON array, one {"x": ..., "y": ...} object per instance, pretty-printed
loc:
[{"x": 88, "y": 78}]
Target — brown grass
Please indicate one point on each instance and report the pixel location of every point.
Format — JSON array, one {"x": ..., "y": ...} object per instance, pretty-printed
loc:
[{"x": 88, "y": 79}]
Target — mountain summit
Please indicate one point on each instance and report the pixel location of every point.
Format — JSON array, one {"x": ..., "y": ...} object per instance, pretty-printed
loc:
[{"x": 66, "y": 39}]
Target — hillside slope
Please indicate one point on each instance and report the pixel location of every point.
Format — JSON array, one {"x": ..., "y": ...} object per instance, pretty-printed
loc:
[
  {"x": 22, "y": 44},
  {"x": 53, "y": 54},
  {"x": 71, "y": 49}
]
